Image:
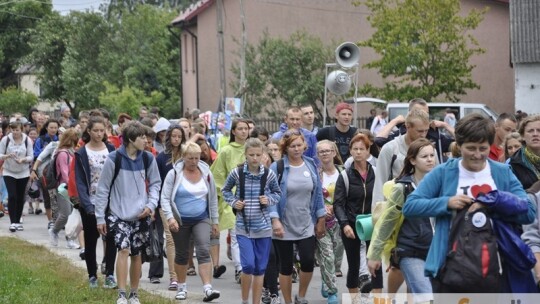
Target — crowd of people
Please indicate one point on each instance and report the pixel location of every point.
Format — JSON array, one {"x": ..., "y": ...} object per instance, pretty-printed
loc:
[{"x": 289, "y": 201}]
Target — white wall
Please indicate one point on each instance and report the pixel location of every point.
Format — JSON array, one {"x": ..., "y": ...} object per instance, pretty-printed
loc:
[
  {"x": 527, "y": 85},
  {"x": 30, "y": 84}
]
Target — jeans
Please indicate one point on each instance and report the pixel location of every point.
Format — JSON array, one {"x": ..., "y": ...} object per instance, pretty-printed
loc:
[{"x": 418, "y": 284}]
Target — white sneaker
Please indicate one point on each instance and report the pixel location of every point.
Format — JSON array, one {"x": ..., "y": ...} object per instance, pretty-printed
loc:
[
  {"x": 53, "y": 238},
  {"x": 210, "y": 294},
  {"x": 72, "y": 245},
  {"x": 19, "y": 227},
  {"x": 121, "y": 300},
  {"x": 181, "y": 295}
]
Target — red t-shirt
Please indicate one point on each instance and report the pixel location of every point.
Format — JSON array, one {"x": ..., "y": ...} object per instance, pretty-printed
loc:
[{"x": 496, "y": 153}]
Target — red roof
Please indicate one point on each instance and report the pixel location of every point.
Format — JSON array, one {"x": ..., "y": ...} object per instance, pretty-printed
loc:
[{"x": 192, "y": 12}]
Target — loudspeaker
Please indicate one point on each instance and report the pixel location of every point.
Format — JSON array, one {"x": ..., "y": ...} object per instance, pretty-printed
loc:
[
  {"x": 338, "y": 82},
  {"x": 347, "y": 54}
]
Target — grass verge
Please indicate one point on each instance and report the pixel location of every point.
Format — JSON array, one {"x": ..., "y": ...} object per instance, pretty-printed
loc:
[{"x": 32, "y": 274}]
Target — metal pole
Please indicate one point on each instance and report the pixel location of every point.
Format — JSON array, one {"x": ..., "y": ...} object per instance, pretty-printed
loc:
[{"x": 355, "y": 95}]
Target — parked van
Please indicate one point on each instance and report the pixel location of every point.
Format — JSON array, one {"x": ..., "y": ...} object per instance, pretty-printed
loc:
[{"x": 437, "y": 110}]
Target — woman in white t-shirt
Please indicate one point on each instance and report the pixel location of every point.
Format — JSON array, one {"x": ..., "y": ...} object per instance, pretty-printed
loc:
[
  {"x": 89, "y": 162},
  {"x": 330, "y": 247}
]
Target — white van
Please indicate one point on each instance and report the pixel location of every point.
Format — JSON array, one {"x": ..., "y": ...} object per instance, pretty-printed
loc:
[{"x": 437, "y": 110}]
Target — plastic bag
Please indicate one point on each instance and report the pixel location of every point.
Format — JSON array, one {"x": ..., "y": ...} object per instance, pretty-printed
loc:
[
  {"x": 74, "y": 224},
  {"x": 152, "y": 251}
]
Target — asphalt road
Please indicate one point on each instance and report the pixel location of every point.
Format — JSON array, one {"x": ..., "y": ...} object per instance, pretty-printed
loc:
[{"x": 35, "y": 231}]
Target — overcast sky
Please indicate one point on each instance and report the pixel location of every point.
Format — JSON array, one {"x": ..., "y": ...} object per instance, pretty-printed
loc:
[{"x": 64, "y": 6}]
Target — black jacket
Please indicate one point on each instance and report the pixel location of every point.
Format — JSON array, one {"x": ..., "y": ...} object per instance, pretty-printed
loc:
[
  {"x": 523, "y": 172},
  {"x": 82, "y": 177},
  {"x": 415, "y": 235},
  {"x": 358, "y": 200}
]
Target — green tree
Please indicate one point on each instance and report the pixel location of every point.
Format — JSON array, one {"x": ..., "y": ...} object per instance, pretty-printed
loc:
[
  {"x": 127, "y": 100},
  {"x": 17, "y": 18},
  {"x": 290, "y": 69},
  {"x": 48, "y": 41},
  {"x": 424, "y": 48},
  {"x": 82, "y": 75},
  {"x": 13, "y": 100},
  {"x": 141, "y": 53}
]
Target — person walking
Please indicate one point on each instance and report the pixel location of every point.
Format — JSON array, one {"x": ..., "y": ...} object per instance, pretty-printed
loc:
[
  {"x": 16, "y": 152},
  {"x": 299, "y": 216},
  {"x": 189, "y": 202},
  {"x": 256, "y": 189}
]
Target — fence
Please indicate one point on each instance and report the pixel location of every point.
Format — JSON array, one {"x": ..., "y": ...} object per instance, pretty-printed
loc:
[{"x": 272, "y": 125}]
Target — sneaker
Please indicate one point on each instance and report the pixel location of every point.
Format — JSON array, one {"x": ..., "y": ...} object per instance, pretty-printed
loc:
[
  {"x": 12, "y": 227},
  {"x": 110, "y": 283},
  {"x": 82, "y": 255},
  {"x": 181, "y": 295},
  {"x": 173, "y": 285},
  {"x": 103, "y": 268},
  {"x": 324, "y": 290},
  {"x": 93, "y": 282},
  {"x": 50, "y": 225},
  {"x": 265, "y": 297},
  {"x": 219, "y": 270},
  {"x": 155, "y": 280},
  {"x": 122, "y": 299},
  {"x": 19, "y": 227},
  {"x": 297, "y": 300},
  {"x": 30, "y": 210},
  {"x": 71, "y": 244},
  {"x": 210, "y": 294},
  {"x": 134, "y": 299},
  {"x": 53, "y": 238},
  {"x": 364, "y": 284},
  {"x": 238, "y": 276},
  {"x": 38, "y": 211},
  {"x": 275, "y": 299},
  {"x": 333, "y": 299}
]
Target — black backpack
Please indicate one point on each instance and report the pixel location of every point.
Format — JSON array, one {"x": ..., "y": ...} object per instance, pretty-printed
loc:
[
  {"x": 242, "y": 190},
  {"x": 50, "y": 176},
  {"x": 473, "y": 263}
]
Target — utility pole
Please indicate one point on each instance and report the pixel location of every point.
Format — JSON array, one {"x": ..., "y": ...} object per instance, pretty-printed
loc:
[{"x": 221, "y": 52}]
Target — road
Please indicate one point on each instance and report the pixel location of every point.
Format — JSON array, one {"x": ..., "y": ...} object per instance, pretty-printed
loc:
[{"x": 35, "y": 232}]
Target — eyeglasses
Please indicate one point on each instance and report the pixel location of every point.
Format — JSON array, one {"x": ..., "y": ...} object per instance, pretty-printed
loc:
[
  {"x": 291, "y": 132},
  {"x": 323, "y": 152}
]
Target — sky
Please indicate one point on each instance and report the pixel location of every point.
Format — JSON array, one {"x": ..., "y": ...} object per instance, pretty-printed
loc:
[{"x": 65, "y": 6}]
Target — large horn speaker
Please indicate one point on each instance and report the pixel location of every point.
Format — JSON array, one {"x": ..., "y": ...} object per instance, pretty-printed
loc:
[
  {"x": 338, "y": 82},
  {"x": 347, "y": 54}
]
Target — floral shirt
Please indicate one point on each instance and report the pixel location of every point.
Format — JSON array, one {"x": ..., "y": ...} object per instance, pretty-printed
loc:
[{"x": 96, "y": 160}]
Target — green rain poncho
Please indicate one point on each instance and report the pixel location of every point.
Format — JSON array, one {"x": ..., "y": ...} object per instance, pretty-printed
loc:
[
  {"x": 228, "y": 158},
  {"x": 386, "y": 229}
]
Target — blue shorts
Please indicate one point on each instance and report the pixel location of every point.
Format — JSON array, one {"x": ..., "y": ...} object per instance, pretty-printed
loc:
[{"x": 254, "y": 254}]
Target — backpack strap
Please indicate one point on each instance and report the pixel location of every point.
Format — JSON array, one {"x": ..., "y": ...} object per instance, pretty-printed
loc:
[
  {"x": 332, "y": 133},
  {"x": 146, "y": 162},
  {"x": 241, "y": 193},
  {"x": 117, "y": 165},
  {"x": 241, "y": 182},
  {"x": 264, "y": 178},
  {"x": 7, "y": 144},
  {"x": 345, "y": 181},
  {"x": 394, "y": 157},
  {"x": 280, "y": 168}
]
